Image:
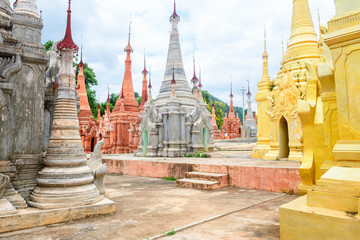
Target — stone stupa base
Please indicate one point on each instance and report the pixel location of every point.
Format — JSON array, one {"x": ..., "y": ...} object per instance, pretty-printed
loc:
[{"x": 32, "y": 217}]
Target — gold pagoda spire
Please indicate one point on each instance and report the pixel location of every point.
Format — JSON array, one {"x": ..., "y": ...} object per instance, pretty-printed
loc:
[
  {"x": 303, "y": 39},
  {"x": 265, "y": 76}
]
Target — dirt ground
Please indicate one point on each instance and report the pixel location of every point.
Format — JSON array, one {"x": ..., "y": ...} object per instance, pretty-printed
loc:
[{"x": 148, "y": 207}]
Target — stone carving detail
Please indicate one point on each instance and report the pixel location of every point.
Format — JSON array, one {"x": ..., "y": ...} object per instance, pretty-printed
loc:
[
  {"x": 98, "y": 168},
  {"x": 2, "y": 100},
  {"x": 9, "y": 66},
  {"x": 5, "y": 206}
]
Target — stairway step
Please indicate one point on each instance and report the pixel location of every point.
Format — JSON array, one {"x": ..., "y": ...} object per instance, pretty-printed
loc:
[
  {"x": 197, "y": 184},
  {"x": 223, "y": 179}
]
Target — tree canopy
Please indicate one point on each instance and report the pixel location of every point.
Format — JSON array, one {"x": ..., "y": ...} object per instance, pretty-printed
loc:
[{"x": 220, "y": 108}]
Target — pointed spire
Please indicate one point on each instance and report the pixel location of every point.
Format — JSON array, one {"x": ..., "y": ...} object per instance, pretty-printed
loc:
[
  {"x": 303, "y": 35},
  {"x": 98, "y": 119},
  {"x": 144, "y": 72},
  {"x": 149, "y": 87},
  {"x": 150, "y": 80},
  {"x": 213, "y": 102},
  {"x": 81, "y": 64},
  {"x": 127, "y": 90},
  {"x": 144, "y": 94},
  {"x": 108, "y": 102},
  {"x": 248, "y": 93},
  {"x": 67, "y": 42},
  {"x": 194, "y": 80},
  {"x": 231, "y": 111},
  {"x": 265, "y": 76},
  {"x": 200, "y": 84},
  {"x": 174, "y": 16},
  {"x": 265, "y": 54},
  {"x": 85, "y": 110},
  {"x": 128, "y": 47}
]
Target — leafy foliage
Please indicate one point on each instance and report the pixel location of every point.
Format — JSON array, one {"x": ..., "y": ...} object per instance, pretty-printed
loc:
[
  {"x": 220, "y": 108},
  {"x": 48, "y": 45},
  {"x": 113, "y": 98}
]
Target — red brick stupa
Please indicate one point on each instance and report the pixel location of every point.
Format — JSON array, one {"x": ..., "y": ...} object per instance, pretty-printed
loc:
[
  {"x": 144, "y": 94},
  {"x": 85, "y": 113},
  {"x": 126, "y": 113},
  {"x": 231, "y": 124}
]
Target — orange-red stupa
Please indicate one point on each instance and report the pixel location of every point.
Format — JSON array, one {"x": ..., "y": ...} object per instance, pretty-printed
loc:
[
  {"x": 86, "y": 117},
  {"x": 144, "y": 94},
  {"x": 126, "y": 114},
  {"x": 231, "y": 124}
]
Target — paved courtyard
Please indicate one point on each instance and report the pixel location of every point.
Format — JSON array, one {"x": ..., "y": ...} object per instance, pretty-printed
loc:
[{"x": 148, "y": 207}]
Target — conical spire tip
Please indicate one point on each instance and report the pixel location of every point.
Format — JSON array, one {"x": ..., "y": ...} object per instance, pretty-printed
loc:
[{"x": 67, "y": 42}]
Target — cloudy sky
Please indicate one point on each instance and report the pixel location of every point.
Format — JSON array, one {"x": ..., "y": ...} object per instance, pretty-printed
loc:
[{"x": 227, "y": 37}]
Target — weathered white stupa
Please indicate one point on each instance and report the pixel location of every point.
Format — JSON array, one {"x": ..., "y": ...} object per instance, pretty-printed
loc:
[
  {"x": 249, "y": 128},
  {"x": 176, "y": 123}
]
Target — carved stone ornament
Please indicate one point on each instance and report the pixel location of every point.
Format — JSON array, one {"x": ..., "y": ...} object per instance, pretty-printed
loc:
[
  {"x": 9, "y": 66},
  {"x": 97, "y": 167}
]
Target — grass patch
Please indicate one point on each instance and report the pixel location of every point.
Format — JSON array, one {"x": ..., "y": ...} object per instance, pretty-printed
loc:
[
  {"x": 172, "y": 232},
  {"x": 170, "y": 179},
  {"x": 289, "y": 192},
  {"x": 197, "y": 155}
]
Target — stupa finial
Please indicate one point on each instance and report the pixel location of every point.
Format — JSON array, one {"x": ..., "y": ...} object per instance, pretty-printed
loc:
[
  {"x": 231, "y": 92},
  {"x": 81, "y": 64},
  {"x": 174, "y": 16},
  {"x": 67, "y": 42},
  {"x": 194, "y": 80},
  {"x": 200, "y": 84},
  {"x": 128, "y": 47}
]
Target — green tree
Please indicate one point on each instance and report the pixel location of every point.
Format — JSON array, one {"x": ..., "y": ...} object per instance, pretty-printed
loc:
[
  {"x": 220, "y": 108},
  {"x": 113, "y": 98},
  {"x": 48, "y": 45},
  {"x": 139, "y": 100}
]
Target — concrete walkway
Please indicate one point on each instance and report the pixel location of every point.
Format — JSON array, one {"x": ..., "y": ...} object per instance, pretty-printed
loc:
[{"x": 148, "y": 207}]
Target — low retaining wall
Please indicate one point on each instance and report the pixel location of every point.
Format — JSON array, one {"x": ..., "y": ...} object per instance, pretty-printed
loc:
[{"x": 275, "y": 179}]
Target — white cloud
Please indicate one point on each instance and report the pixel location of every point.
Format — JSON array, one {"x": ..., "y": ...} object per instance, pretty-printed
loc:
[{"x": 227, "y": 37}]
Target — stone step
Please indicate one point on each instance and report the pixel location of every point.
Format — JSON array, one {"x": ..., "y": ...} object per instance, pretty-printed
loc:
[
  {"x": 197, "y": 184},
  {"x": 223, "y": 179}
]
